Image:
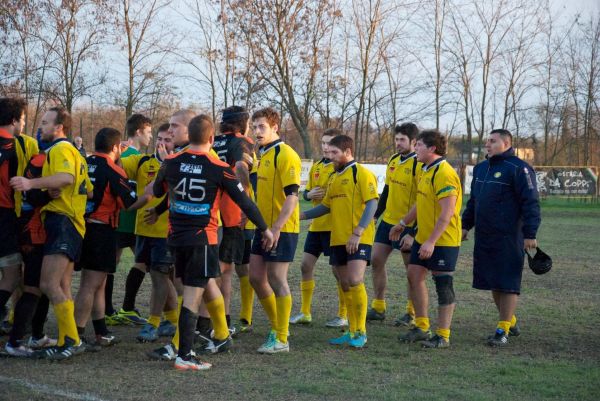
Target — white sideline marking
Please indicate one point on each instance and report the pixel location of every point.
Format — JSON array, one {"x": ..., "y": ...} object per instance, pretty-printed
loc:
[{"x": 50, "y": 390}]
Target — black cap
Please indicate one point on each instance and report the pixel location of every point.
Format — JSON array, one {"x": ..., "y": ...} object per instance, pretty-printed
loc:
[{"x": 540, "y": 263}]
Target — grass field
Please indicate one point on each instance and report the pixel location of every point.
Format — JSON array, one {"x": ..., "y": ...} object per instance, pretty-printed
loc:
[{"x": 556, "y": 357}]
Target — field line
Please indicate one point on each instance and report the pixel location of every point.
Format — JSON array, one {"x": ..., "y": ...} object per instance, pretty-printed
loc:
[{"x": 50, "y": 390}]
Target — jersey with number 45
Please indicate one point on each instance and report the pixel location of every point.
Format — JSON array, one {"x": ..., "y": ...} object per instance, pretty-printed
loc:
[{"x": 195, "y": 182}]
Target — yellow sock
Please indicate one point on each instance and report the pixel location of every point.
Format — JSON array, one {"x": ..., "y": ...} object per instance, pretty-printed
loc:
[
  {"x": 307, "y": 288},
  {"x": 65, "y": 319},
  {"x": 171, "y": 316},
  {"x": 422, "y": 323},
  {"x": 504, "y": 325},
  {"x": 513, "y": 321},
  {"x": 284, "y": 310},
  {"x": 175, "y": 339},
  {"x": 154, "y": 320},
  {"x": 444, "y": 333},
  {"x": 270, "y": 307},
  {"x": 351, "y": 312},
  {"x": 378, "y": 305},
  {"x": 410, "y": 308},
  {"x": 359, "y": 304},
  {"x": 342, "y": 310},
  {"x": 247, "y": 299},
  {"x": 216, "y": 310}
]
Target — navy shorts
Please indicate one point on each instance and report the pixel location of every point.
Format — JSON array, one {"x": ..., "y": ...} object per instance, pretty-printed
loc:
[
  {"x": 154, "y": 253},
  {"x": 231, "y": 248},
  {"x": 99, "y": 251},
  {"x": 339, "y": 256},
  {"x": 61, "y": 237},
  {"x": 284, "y": 252},
  {"x": 195, "y": 265},
  {"x": 382, "y": 235},
  {"x": 443, "y": 258},
  {"x": 9, "y": 240},
  {"x": 317, "y": 243}
]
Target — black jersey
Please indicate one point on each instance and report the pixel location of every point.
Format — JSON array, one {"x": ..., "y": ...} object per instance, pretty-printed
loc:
[
  {"x": 232, "y": 148},
  {"x": 112, "y": 191},
  {"x": 195, "y": 182}
]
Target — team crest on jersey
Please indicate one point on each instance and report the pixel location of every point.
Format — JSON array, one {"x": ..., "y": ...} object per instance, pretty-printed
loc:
[
  {"x": 151, "y": 174},
  {"x": 345, "y": 181},
  {"x": 407, "y": 171},
  {"x": 190, "y": 168},
  {"x": 392, "y": 168}
]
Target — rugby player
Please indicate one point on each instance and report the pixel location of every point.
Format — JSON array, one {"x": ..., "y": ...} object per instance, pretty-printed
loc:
[
  {"x": 398, "y": 196},
  {"x": 352, "y": 193},
  {"x": 278, "y": 177},
  {"x": 194, "y": 180},
  {"x": 318, "y": 237},
  {"x": 437, "y": 242},
  {"x": 504, "y": 209},
  {"x": 64, "y": 169}
]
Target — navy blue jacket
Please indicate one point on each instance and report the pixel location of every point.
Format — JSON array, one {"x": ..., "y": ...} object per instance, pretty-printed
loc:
[{"x": 504, "y": 200}]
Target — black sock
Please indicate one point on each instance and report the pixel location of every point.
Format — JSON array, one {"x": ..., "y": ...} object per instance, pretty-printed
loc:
[
  {"x": 4, "y": 297},
  {"x": 39, "y": 317},
  {"x": 132, "y": 286},
  {"x": 24, "y": 310},
  {"x": 204, "y": 325},
  {"x": 187, "y": 323},
  {"x": 80, "y": 331},
  {"x": 228, "y": 319},
  {"x": 100, "y": 327},
  {"x": 108, "y": 292}
]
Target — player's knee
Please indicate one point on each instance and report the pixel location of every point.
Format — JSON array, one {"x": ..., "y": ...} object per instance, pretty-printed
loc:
[{"x": 445, "y": 289}]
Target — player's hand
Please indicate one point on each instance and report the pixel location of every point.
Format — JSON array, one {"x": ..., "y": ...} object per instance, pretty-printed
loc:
[
  {"x": 55, "y": 193},
  {"x": 406, "y": 243},
  {"x": 317, "y": 193},
  {"x": 276, "y": 234},
  {"x": 162, "y": 151},
  {"x": 244, "y": 221},
  {"x": 352, "y": 244},
  {"x": 465, "y": 235},
  {"x": 20, "y": 184},
  {"x": 267, "y": 240},
  {"x": 426, "y": 250},
  {"x": 530, "y": 244},
  {"x": 150, "y": 216},
  {"x": 395, "y": 232}
]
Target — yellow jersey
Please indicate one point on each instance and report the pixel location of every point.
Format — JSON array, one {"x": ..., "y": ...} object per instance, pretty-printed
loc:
[
  {"x": 320, "y": 175},
  {"x": 401, "y": 177},
  {"x": 438, "y": 181},
  {"x": 142, "y": 169},
  {"x": 348, "y": 192},
  {"x": 63, "y": 157},
  {"x": 27, "y": 147},
  {"x": 279, "y": 166}
]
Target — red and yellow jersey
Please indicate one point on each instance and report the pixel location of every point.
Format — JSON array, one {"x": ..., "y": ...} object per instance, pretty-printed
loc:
[
  {"x": 30, "y": 221},
  {"x": 402, "y": 178},
  {"x": 143, "y": 169},
  {"x": 279, "y": 167},
  {"x": 348, "y": 192},
  {"x": 63, "y": 157},
  {"x": 26, "y": 148},
  {"x": 320, "y": 175},
  {"x": 438, "y": 180},
  {"x": 8, "y": 169}
]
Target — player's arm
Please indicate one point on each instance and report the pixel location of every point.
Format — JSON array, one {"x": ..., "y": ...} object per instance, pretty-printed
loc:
[
  {"x": 122, "y": 190},
  {"x": 526, "y": 189},
  {"x": 55, "y": 181},
  {"x": 382, "y": 202},
  {"x": 365, "y": 219},
  {"x": 159, "y": 188},
  {"x": 317, "y": 211},
  {"x": 447, "y": 205},
  {"x": 397, "y": 230},
  {"x": 288, "y": 207}
]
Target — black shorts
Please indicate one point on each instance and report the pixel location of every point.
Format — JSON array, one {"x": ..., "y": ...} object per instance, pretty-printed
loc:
[
  {"x": 317, "y": 243},
  {"x": 443, "y": 258},
  {"x": 340, "y": 257},
  {"x": 231, "y": 248},
  {"x": 195, "y": 265},
  {"x": 154, "y": 253},
  {"x": 284, "y": 252},
  {"x": 125, "y": 240},
  {"x": 247, "y": 248},
  {"x": 32, "y": 259},
  {"x": 9, "y": 238},
  {"x": 99, "y": 251},
  {"x": 382, "y": 235},
  {"x": 61, "y": 237}
]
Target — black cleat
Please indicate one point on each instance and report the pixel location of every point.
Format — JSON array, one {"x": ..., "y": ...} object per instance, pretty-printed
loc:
[
  {"x": 373, "y": 315},
  {"x": 415, "y": 334}
]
